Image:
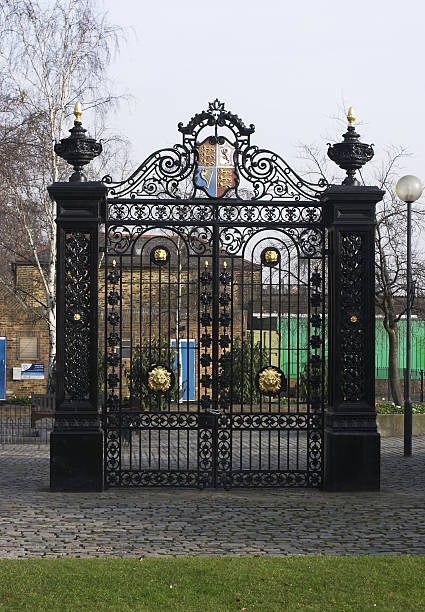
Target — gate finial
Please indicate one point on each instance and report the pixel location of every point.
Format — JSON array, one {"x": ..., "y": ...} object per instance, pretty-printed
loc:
[
  {"x": 77, "y": 149},
  {"x": 78, "y": 111},
  {"x": 351, "y": 154}
]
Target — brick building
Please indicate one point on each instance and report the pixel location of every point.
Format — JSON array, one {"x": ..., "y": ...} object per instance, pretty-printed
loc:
[{"x": 24, "y": 340}]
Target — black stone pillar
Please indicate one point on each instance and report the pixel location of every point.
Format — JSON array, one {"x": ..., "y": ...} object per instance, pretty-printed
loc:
[
  {"x": 76, "y": 443},
  {"x": 352, "y": 443}
]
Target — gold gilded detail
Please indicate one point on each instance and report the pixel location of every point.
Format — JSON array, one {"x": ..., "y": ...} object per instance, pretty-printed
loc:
[
  {"x": 206, "y": 175},
  {"x": 77, "y": 316},
  {"x": 159, "y": 379},
  {"x": 271, "y": 256},
  {"x": 207, "y": 155},
  {"x": 160, "y": 255},
  {"x": 78, "y": 111},
  {"x": 270, "y": 380},
  {"x": 353, "y": 319},
  {"x": 224, "y": 178},
  {"x": 351, "y": 117}
]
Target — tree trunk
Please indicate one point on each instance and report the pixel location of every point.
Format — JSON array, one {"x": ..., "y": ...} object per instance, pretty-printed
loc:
[
  {"x": 51, "y": 376},
  {"x": 393, "y": 366}
]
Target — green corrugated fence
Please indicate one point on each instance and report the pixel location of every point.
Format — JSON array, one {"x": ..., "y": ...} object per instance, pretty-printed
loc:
[{"x": 293, "y": 346}]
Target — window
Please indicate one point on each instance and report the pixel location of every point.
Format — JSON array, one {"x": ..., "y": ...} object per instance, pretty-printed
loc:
[
  {"x": 125, "y": 348},
  {"x": 28, "y": 347}
]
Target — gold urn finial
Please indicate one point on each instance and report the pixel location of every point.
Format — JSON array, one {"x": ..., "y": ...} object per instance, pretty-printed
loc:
[
  {"x": 78, "y": 111},
  {"x": 270, "y": 381},
  {"x": 351, "y": 117}
]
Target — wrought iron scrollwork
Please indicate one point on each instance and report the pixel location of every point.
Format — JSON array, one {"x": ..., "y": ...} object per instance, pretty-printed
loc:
[
  {"x": 171, "y": 173},
  {"x": 77, "y": 315},
  {"x": 206, "y": 338},
  {"x": 224, "y": 340},
  {"x": 315, "y": 373},
  {"x": 113, "y": 358},
  {"x": 163, "y": 225},
  {"x": 159, "y": 176},
  {"x": 352, "y": 331},
  {"x": 272, "y": 178}
]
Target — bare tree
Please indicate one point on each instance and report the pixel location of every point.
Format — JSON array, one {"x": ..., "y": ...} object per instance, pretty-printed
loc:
[
  {"x": 51, "y": 55},
  {"x": 391, "y": 261},
  {"x": 390, "y": 247}
]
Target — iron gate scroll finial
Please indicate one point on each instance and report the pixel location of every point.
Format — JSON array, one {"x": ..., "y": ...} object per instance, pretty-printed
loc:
[
  {"x": 351, "y": 154},
  {"x": 78, "y": 150}
]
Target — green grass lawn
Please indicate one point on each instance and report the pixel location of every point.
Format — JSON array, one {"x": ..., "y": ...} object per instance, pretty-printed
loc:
[{"x": 214, "y": 584}]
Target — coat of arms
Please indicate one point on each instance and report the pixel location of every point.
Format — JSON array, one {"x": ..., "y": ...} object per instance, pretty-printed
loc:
[{"x": 216, "y": 173}]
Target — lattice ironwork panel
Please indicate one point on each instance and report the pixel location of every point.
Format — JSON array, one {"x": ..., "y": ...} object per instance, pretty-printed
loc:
[{"x": 214, "y": 309}]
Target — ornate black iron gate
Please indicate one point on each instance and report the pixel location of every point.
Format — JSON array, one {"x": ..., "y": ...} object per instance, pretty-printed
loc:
[{"x": 214, "y": 336}]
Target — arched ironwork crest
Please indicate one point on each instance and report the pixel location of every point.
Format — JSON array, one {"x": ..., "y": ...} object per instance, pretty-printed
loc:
[{"x": 215, "y": 159}]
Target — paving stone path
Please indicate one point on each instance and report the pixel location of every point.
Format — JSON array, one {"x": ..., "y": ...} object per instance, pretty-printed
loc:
[{"x": 146, "y": 522}]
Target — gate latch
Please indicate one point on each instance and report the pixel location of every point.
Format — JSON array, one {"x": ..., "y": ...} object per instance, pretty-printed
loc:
[{"x": 208, "y": 420}]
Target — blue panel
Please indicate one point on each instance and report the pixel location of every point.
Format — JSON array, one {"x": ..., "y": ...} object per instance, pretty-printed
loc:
[
  {"x": 175, "y": 364},
  {"x": 206, "y": 177},
  {"x": 2, "y": 367},
  {"x": 187, "y": 368},
  {"x": 187, "y": 359}
]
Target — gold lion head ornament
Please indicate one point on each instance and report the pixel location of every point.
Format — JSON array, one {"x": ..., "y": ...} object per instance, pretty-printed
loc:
[
  {"x": 270, "y": 381},
  {"x": 159, "y": 379}
]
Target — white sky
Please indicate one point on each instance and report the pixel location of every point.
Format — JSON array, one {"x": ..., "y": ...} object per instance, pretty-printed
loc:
[{"x": 288, "y": 67}]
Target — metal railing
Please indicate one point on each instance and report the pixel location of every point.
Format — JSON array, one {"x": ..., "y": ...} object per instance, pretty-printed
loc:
[
  {"x": 383, "y": 389},
  {"x": 27, "y": 424},
  {"x": 32, "y": 423}
]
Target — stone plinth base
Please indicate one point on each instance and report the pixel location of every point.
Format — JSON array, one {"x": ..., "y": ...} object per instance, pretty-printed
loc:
[
  {"x": 352, "y": 461},
  {"x": 76, "y": 461}
]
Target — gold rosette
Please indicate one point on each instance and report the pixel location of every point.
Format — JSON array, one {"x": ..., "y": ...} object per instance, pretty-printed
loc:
[
  {"x": 271, "y": 256},
  {"x": 159, "y": 379},
  {"x": 160, "y": 255},
  {"x": 270, "y": 381}
]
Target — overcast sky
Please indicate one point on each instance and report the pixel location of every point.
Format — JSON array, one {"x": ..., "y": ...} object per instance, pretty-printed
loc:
[{"x": 287, "y": 67}]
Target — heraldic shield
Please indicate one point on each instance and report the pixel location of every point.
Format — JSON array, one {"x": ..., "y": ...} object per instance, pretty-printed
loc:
[{"x": 216, "y": 172}]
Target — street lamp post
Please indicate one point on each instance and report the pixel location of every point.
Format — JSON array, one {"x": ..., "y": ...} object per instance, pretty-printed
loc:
[{"x": 408, "y": 189}]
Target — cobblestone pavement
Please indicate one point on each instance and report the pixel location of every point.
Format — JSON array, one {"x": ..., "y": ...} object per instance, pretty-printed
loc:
[{"x": 143, "y": 522}]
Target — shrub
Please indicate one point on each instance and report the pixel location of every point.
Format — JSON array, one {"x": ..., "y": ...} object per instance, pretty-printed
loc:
[
  {"x": 308, "y": 374},
  {"x": 24, "y": 400},
  {"x": 152, "y": 352},
  {"x": 391, "y": 408},
  {"x": 246, "y": 362}
]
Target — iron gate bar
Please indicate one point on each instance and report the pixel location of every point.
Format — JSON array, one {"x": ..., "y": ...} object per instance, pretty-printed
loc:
[
  {"x": 125, "y": 473},
  {"x": 219, "y": 228},
  {"x": 255, "y": 440}
]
